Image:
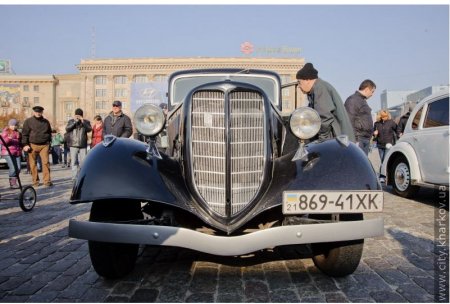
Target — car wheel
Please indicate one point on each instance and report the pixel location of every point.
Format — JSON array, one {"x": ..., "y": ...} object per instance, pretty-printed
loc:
[
  {"x": 400, "y": 175},
  {"x": 114, "y": 260},
  {"x": 338, "y": 259}
]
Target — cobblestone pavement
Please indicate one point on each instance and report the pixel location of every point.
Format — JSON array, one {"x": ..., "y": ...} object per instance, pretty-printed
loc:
[{"x": 40, "y": 263}]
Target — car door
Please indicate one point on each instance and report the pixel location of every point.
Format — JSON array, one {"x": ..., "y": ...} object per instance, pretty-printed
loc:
[{"x": 431, "y": 142}]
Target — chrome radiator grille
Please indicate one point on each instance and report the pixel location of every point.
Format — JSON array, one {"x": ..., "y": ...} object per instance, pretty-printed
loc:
[{"x": 244, "y": 150}]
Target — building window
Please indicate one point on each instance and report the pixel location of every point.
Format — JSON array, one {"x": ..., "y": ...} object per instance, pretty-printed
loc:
[
  {"x": 124, "y": 105},
  {"x": 162, "y": 78},
  {"x": 36, "y": 100},
  {"x": 100, "y": 79},
  {"x": 285, "y": 79},
  {"x": 26, "y": 88},
  {"x": 120, "y": 79},
  {"x": 140, "y": 78},
  {"x": 26, "y": 100},
  {"x": 36, "y": 88},
  {"x": 101, "y": 105},
  {"x": 120, "y": 93},
  {"x": 100, "y": 92},
  {"x": 68, "y": 106}
]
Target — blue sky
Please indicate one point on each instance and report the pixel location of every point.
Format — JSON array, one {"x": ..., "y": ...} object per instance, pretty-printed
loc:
[{"x": 400, "y": 47}]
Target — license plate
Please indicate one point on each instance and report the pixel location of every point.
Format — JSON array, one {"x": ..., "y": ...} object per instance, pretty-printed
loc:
[{"x": 298, "y": 202}]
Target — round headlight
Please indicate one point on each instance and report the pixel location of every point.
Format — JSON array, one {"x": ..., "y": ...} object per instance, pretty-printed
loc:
[
  {"x": 305, "y": 122},
  {"x": 149, "y": 120}
]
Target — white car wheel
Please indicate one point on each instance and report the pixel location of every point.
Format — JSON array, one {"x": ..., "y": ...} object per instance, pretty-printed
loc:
[{"x": 402, "y": 178}]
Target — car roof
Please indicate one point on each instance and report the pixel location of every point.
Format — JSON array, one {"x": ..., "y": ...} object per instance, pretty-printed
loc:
[{"x": 443, "y": 92}]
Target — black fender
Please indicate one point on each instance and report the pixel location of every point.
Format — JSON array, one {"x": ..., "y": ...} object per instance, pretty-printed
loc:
[{"x": 122, "y": 170}]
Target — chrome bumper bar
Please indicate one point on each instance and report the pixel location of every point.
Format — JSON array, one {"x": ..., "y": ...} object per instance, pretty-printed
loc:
[{"x": 223, "y": 245}]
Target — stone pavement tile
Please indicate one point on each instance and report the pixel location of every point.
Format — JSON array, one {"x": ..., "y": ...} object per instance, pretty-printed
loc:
[
  {"x": 284, "y": 296},
  {"x": 15, "y": 269},
  {"x": 377, "y": 263},
  {"x": 230, "y": 284},
  {"x": 422, "y": 263},
  {"x": 94, "y": 295},
  {"x": 336, "y": 297},
  {"x": 117, "y": 299},
  {"x": 61, "y": 265},
  {"x": 28, "y": 288},
  {"x": 413, "y": 271},
  {"x": 124, "y": 288},
  {"x": 307, "y": 290},
  {"x": 172, "y": 293},
  {"x": 7, "y": 262},
  {"x": 12, "y": 283},
  {"x": 79, "y": 267},
  {"x": 278, "y": 280},
  {"x": 253, "y": 272},
  {"x": 74, "y": 291},
  {"x": 426, "y": 283},
  {"x": 204, "y": 280},
  {"x": 387, "y": 297},
  {"x": 200, "y": 298},
  {"x": 46, "y": 276},
  {"x": 229, "y": 297},
  {"x": 256, "y": 291},
  {"x": 371, "y": 281},
  {"x": 414, "y": 293},
  {"x": 43, "y": 297},
  {"x": 14, "y": 299},
  {"x": 393, "y": 276},
  {"x": 316, "y": 299},
  {"x": 56, "y": 256},
  {"x": 144, "y": 296}
]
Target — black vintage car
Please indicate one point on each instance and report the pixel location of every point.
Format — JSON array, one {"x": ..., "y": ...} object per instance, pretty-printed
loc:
[{"x": 237, "y": 177}]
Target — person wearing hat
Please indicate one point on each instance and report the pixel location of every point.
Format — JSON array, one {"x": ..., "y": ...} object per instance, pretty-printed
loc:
[
  {"x": 360, "y": 114},
  {"x": 117, "y": 123},
  {"x": 78, "y": 128},
  {"x": 402, "y": 122},
  {"x": 12, "y": 138},
  {"x": 385, "y": 131},
  {"x": 324, "y": 98},
  {"x": 36, "y": 137}
]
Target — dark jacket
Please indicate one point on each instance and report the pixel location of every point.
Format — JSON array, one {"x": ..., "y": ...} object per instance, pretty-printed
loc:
[
  {"x": 36, "y": 131},
  {"x": 119, "y": 126},
  {"x": 324, "y": 98},
  {"x": 78, "y": 132},
  {"x": 386, "y": 132},
  {"x": 402, "y": 123},
  {"x": 360, "y": 115}
]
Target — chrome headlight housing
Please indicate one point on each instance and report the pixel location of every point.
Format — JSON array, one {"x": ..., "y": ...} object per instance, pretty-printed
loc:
[
  {"x": 149, "y": 120},
  {"x": 305, "y": 122}
]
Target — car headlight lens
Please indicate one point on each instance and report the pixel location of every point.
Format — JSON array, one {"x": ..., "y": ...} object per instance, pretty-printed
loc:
[
  {"x": 149, "y": 120},
  {"x": 305, "y": 122}
]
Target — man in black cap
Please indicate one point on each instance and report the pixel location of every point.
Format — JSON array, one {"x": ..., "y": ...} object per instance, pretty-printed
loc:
[
  {"x": 324, "y": 98},
  {"x": 117, "y": 123},
  {"x": 78, "y": 128},
  {"x": 36, "y": 137}
]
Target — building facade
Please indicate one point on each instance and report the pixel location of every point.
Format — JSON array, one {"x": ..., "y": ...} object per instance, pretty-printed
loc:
[{"x": 101, "y": 81}]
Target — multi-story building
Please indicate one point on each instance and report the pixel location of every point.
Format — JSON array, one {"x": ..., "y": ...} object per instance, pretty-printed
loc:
[{"x": 100, "y": 81}]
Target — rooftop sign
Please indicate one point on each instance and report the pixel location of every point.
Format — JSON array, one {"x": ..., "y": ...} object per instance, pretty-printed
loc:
[{"x": 248, "y": 48}]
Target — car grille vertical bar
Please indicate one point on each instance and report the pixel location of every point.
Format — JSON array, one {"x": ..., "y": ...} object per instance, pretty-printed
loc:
[
  {"x": 247, "y": 147},
  {"x": 209, "y": 150},
  {"x": 208, "y": 147}
]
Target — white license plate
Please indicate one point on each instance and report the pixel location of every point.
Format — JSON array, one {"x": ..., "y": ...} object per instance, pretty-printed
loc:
[{"x": 298, "y": 202}]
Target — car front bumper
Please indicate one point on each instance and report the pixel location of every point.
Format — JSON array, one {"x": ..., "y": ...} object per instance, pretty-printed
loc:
[{"x": 223, "y": 245}]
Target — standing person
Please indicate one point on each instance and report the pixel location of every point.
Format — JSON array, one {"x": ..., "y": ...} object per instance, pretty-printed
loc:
[
  {"x": 385, "y": 133},
  {"x": 36, "y": 137},
  {"x": 78, "y": 127},
  {"x": 402, "y": 122},
  {"x": 324, "y": 98},
  {"x": 360, "y": 114},
  {"x": 97, "y": 131},
  {"x": 117, "y": 123},
  {"x": 66, "y": 151},
  {"x": 57, "y": 141},
  {"x": 12, "y": 138}
]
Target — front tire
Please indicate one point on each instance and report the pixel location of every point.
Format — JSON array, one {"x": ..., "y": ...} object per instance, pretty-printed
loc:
[
  {"x": 400, "y": 175},
  {"x": 114, "y": 260},
  {"x": 338, "y": 259}
]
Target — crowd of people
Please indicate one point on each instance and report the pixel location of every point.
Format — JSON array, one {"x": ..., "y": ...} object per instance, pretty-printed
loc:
[
  {"x": 354, "y": 117},
  {"x": 37, "y": 141}
]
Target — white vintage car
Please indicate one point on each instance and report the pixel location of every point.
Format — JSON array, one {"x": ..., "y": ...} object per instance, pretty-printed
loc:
[{"x": 420, "y": 157}]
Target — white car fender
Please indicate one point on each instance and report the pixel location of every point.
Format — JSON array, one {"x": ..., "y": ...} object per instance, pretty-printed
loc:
[{"x": 406, "y": 150}]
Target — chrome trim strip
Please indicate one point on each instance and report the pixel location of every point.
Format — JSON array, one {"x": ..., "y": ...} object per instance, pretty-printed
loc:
[{"x": 223, "y": 245}]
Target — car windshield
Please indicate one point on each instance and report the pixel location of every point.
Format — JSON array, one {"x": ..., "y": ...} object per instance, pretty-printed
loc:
[{"x": 183, "y": 84}]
